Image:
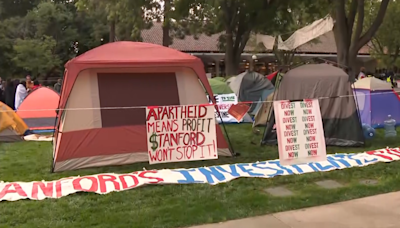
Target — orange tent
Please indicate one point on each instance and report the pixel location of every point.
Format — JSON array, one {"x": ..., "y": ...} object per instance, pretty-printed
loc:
[
  {"x": 38, "y": 110},
  {"x": 92, "y": 128}
]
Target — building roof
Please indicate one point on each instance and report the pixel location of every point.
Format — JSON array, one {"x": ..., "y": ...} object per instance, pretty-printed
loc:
[{"x": 324, "y": 45}]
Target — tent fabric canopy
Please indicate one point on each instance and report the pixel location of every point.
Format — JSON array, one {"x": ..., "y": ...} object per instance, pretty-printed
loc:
[
  {"x": 372, "y": 83},
  {"x": 38, "y": 110},
  {"x": 342, "y": 125},
  {"x": 376, "y": 101},
  {"x": 251, "y": 87},
  {"x": 12, "y": 127},
  {"x": 105, "y": 92},
  {"x": 219, "y": 87}
]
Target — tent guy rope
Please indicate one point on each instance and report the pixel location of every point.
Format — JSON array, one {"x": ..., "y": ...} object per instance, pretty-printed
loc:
[{"x": 134, "y": 107}]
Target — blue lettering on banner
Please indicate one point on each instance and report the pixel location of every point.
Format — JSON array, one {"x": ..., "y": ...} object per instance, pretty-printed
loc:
[
  {"x": 320, "y": 167},
  {"x": 223, "y": 173},
  {"x": 298, "y": 169},
  {"x": 334, "y": 161},
  {"x": 188, "y": 178},
  {"x": 278, "y": 171},
  {"x": 211, "y": 172},
  {"x": 232, "y": 172},
  {"x": 312, "y": 166},
  {"x": 249, "y": 171},
  {"x": 374, "y": 160}
]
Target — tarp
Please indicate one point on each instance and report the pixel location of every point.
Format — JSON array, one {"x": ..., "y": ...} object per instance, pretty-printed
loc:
[{"x": 306, "y": 34}]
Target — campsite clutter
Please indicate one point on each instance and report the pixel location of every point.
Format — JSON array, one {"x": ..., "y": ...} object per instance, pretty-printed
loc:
[{"x": 97, "y": 120}]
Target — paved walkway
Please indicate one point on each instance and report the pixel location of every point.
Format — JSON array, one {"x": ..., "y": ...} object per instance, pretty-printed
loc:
[{"x": 382, "y": 211}]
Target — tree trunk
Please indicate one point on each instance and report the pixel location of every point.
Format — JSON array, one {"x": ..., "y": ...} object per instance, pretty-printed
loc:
[
  {"x": 349, "y": 43},
  {"x": 166, "y": 23},
  {"x": 112, "y": 31},
  {"x": 231, "y": 62}
]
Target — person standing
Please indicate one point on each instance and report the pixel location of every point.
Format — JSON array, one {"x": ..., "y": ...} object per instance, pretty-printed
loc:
[
  {"x": 20, "y": 94},
  {"x": 58, "y": 85},
  {"x": 29, "y": 83},
  {"x": 9, "y": 96}
]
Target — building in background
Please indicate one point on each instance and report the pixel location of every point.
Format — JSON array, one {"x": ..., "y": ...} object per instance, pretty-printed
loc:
[{"x": 206, "y": 48}]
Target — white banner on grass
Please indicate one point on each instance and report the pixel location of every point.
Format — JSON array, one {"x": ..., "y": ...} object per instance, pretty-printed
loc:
[{"x": 111, "y": 182}]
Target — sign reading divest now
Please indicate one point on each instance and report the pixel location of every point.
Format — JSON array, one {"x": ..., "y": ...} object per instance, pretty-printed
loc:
[
  {"x": 181, "y": 133},
  {"x": 300, "y": 132}
]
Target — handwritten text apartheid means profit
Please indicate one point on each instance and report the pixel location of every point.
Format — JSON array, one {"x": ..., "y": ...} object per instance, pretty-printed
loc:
[{"x": 181, "y": 133}]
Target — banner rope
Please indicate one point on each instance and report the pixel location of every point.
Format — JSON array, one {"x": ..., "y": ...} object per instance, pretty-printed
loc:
[{"x": 207, "y": 104}]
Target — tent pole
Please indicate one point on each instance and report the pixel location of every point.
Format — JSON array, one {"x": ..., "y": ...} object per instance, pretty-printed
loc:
[
  {"x": 233, "y": 152},
  {"x": 271, "y": 113}
]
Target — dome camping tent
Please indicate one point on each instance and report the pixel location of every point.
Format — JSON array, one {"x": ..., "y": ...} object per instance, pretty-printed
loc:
[
  {"x": 92, "y": 131},
  {"x": 340, "y": 119},
  {"x": 219, "y": 86},
  {"x": 222, "y": 90},
  {"x": 251, "y": 86},
  {"x": 376, "y": 100},
  {"x": 12, "y": 127},
  {"x": 38, "y": 110}
]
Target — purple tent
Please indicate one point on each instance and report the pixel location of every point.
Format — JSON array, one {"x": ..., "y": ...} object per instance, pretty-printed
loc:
[{"x": 376, "y": 100}]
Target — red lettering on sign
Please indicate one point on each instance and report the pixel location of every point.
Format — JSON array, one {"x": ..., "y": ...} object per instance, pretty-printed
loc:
[
  {"x": 379, "y": 154},
  {"x": 46, "y": 188},
  {"x": 78, "y": 187},
  {"x": 161, "y": 113},
  {"x": 107, "y": 178},
  {"x": 313, "y": 145},
  {"x": 163, "y": 154},
  {"x": 224, "y": 106},
  {"x": 123, "y": 181},
  {"x": 59, "y": 187},
  {"x": 393, "y": 152},
  {"x": 157, "y": 179},
  {"x": 17, "y": 189}
]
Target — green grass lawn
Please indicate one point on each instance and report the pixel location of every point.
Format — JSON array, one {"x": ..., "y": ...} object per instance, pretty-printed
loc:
[{"x": 182, "y": 205}]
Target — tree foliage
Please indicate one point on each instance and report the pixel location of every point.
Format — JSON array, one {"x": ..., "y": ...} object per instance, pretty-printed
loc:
[
  {"x": 40, "y": 36},
  {"x": 385, "y": 44},
  {"x": 35, "y": 55}
]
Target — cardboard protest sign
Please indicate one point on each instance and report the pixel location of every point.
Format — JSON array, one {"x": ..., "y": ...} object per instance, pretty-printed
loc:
[
  {"x": 238, "y": 111},
  {"x": 300, "y": 132},
  {"x": 111, "y": 182},
  {"x": 181, "y": 133}
]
